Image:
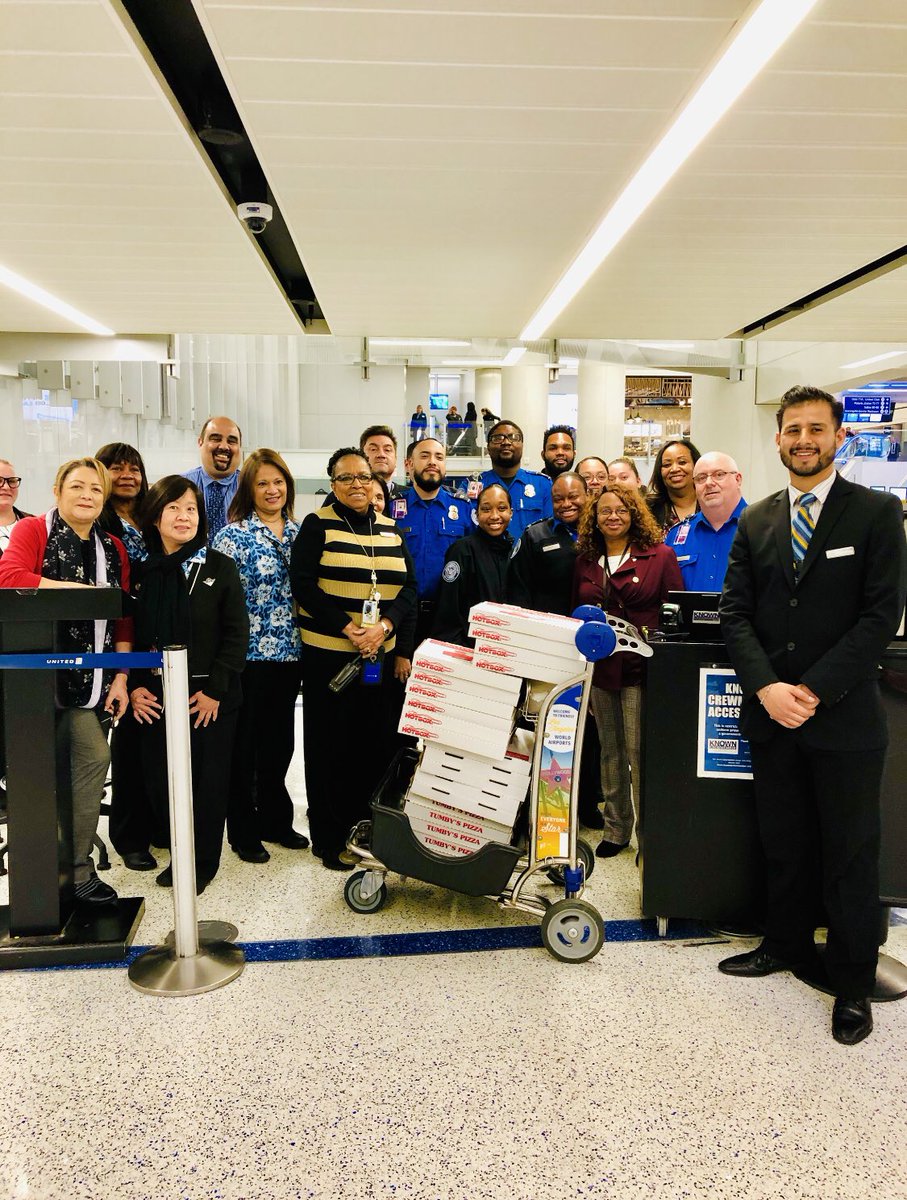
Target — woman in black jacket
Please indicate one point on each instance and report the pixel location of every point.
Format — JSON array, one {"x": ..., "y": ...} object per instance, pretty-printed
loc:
[
  {"x": 475, "y": 567},
  {"x": 191, "y": 596}
]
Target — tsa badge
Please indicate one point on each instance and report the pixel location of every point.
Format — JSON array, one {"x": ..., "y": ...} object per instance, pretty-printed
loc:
[
  {"x": 529, "y": 490},
  {"x": 453, "y": 512}
]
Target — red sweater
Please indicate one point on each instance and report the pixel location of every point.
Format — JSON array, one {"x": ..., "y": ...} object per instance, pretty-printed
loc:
[{"x": 20, "y": 566}]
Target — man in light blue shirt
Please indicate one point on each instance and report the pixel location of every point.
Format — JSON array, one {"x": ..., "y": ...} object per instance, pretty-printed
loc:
[
  {"x": 530, "y": 491},
  {"x": 220, "y": 450},
  {"x": 703, "y": 543}
]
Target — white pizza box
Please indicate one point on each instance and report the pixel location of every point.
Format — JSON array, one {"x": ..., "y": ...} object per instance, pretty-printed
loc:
[
  {"x": 492, "y": 657},
  {"x": 499, "y": 806},
  {"x": 414, "y": 704},
  {"x": 456, "y": 662},
  {"x": 441, "y": 845},
  {"x": 509, "y": 772},
  {"x": 419, "y": 691},
  {"x": 465, "y": 829},
  {"x": 473, "y": 737},
  {"x": 530, "y": 643},
  {"x": 551, "y": 626}
]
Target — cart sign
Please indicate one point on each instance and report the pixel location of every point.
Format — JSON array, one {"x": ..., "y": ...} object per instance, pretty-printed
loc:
[
  {"x": 556, "y": 774},
  {"x": 721, "y": 751}
]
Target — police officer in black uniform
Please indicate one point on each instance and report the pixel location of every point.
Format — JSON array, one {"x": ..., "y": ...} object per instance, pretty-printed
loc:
[{"x": 475, "y": 567}]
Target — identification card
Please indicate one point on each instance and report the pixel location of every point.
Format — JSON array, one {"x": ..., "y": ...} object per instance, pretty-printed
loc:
[{"x": 370, "y": 612}]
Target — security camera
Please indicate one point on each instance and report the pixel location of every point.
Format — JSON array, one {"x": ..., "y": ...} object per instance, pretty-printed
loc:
[{"x": 255, "y": 216}]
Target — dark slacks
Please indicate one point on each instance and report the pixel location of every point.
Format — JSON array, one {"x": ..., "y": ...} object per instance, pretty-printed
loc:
[
  {"x": 818, "y": 813},
  {"x": 132, "y": 827},
  {"x": 260, "y": 805},
  {"x": 349, "y": 741},
  {"x": 212, "y": 749}
]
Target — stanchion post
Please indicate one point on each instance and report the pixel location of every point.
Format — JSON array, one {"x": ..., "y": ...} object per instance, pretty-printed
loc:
[{"x": 183, "y": 967}]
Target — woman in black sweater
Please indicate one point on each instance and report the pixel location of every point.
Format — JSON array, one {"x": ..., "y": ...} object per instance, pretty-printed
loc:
[
  {"x": 475, "y": 568},
  {"x": 189, "y": 595}
]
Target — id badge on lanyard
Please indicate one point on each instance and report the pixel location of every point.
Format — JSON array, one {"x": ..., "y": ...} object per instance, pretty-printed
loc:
[{"x": 371, "y": 608}]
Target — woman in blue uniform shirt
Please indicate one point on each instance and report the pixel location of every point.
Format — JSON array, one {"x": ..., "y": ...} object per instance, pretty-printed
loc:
[{"x": 259, "y": 538}]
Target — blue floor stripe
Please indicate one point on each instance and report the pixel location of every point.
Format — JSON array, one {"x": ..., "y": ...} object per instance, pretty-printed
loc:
[{"x": 395, "y": 945}]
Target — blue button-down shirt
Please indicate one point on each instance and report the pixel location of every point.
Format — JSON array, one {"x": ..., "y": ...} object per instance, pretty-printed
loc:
[
  {"x": 530, "y": 496},
  {"x": 203, "y": 481},
  {"x": 703, "y": 551},
  {"x": 263, "y": 562},
  {"x": 430, "y": 527}
]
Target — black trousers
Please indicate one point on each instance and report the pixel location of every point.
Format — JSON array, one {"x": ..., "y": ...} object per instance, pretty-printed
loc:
[
  {"x": 349, "y": 741},
  {"x": 260, "y": 805},
  {"x": 132, "y": 824},
  {"x": 818, "y": 813},
  {"x": 212, "y": 749},
  {"x": 590, "y": 768}
]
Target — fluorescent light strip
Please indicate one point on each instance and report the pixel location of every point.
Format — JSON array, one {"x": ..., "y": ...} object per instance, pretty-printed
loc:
[
  {"x": 865, "y": 362},
  {"x": 416, "y": 342},
  {"x": 770, "y": 25},
  {"x": 665, "y": 345},
  {"x": 510, "y": 359},
  {"x": 32, "y": 292}
]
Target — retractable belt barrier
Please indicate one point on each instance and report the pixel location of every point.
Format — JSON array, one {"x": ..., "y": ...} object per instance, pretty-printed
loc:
[{"x": 187, "y": 965}]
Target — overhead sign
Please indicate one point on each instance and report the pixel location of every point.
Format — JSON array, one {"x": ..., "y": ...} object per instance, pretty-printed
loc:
[{"x": 867, "y": 408}]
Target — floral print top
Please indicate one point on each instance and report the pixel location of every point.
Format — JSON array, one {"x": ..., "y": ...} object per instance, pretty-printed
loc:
[{"x": 263, "y": 562}]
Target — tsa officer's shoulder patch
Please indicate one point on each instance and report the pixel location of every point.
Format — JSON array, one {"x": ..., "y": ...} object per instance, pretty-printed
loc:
[
  {"x": 451, "y": 572},
  {"x": 516, "y": 547},
  {"x": 475, "y": 517}
]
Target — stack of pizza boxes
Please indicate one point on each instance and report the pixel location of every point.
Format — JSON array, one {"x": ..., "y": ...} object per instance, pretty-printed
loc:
[
  {"x": 474, "y": 772},
  {"x": 519, "y": 641}
]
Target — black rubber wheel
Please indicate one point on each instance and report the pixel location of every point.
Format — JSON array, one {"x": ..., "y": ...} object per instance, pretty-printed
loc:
[
  {"x": 573, "y": 931},
  {"x": 352, "y": 894},
  {"x": 586, "y": 856}
]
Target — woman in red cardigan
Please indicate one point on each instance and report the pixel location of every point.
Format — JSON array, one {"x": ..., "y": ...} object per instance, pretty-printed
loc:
[
  {"x": 66, "y": 548},
  {"x": 623, "y": 567}
]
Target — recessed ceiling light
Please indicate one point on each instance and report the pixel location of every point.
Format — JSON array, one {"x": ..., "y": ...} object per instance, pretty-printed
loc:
[
  {"x": 865, "y": 362},
  {"x": 31, "y": 291},
  {"x": 768, "y": 27}
]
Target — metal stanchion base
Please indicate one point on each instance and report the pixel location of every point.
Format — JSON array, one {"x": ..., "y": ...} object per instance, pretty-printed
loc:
[
  {"x": 209, "y": 931},
  {"x": 160, "y": 973},
  {"x": 891, "y": 978}
]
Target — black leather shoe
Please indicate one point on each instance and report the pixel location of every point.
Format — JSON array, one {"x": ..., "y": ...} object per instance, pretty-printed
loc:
[
  {"x": 851, "y": 1021},
  {"x": 95, "y": 892},
  {"x": 754, "y": 964},
  {"x": 606, "y": 849},
  {"x": 165, "y": 879},
  {"x": 140, "y": 860},
  {"x": 201, "y": 882},
  {"x": 291, "y": 840},
  {"x": 333, "y": 863},
  {"x": 252, "y": 854}
]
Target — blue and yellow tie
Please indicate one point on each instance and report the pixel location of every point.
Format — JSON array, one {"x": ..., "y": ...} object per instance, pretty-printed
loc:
[{"x": 801, "y": 528}]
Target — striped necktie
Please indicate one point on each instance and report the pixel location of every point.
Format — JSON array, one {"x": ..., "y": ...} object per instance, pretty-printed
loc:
[{"x": 801, "y": 528}]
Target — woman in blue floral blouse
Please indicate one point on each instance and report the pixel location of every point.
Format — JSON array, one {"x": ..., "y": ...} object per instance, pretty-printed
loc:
[{"x": 259, "y": 538}]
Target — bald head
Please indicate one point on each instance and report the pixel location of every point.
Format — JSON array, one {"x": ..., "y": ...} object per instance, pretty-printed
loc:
[{"x": 718, "y": 484}]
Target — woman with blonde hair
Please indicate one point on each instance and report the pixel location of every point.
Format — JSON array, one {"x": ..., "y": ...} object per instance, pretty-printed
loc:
[{"x": 623, "y": 567}]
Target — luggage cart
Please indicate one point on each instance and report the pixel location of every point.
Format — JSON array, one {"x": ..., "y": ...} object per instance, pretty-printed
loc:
[{"x": 572, "y": 928}]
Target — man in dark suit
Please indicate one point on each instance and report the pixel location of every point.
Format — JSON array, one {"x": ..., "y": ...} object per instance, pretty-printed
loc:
[{"x": 814, "y": 592}]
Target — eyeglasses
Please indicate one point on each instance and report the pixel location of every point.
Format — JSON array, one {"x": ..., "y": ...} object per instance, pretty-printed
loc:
[
  {"x": 498, "y": 439},
  {"x": 11, "y": 481},
  {"x": 718, "y": 476},
  {"x": 345, "y": 479},
  {"x": 604, "y": 513},
  {"x": 601, "y": 477}
]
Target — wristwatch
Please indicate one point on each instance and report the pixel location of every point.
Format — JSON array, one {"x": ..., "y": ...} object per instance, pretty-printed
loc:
[{"x": 388, "y": 628}]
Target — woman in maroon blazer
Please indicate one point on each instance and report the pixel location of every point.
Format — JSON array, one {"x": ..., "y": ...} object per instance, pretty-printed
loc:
[{"x": 623, "y": 567}]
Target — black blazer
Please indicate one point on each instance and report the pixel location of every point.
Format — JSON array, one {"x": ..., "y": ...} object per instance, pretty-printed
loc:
[
  {"x": 540, "y": 573},
  {"x": 829, "y": 628}
]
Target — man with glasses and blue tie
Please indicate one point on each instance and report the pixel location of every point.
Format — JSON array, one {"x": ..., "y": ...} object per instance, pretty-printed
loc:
[
  {"x": 702, "y": 543},
  {"x": 220, "y": 450},
  {"x": 814, "y": 592}
]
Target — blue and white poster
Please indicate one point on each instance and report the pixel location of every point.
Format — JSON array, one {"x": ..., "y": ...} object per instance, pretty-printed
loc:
[{"x": 721, "y": 752}]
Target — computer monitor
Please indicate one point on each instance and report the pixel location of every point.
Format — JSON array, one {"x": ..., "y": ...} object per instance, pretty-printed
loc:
[{"x": 698, "y": 614}]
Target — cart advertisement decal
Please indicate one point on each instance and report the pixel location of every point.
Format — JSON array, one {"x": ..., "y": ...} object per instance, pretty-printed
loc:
[
  {"x": 721, "y": 751},
  {"x": 556, "y": 773}
]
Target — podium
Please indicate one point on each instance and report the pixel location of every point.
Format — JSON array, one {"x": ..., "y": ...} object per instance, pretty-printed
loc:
[{"x": 41, "y": 925}]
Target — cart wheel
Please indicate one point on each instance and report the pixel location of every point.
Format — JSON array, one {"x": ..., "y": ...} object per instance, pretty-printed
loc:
[
  {"x": 586, "y": 856},
  {"x": 352, "y": 893},
  {"x": 573, "y": 931}
]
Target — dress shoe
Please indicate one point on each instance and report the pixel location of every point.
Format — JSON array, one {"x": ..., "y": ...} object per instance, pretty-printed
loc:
[
  {"x": 851, "y": 1021},
  {"x": 754, "y": 964},
  {"x": 95, "y": 892},
  {"x": 606, "y": 849},
  {"x": 591, "y": 818},
  {"x": 165, "y": 879},
  {"x": 252, "y": 854},
  {"x": 333, "y": 862},
  {"x": 201, "y": 882},
  {"x": 290, "y": 840},
  {"x": 140, "y": 860}
]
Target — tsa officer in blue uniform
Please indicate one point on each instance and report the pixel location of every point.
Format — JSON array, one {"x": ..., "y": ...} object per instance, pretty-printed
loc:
[
  {"x": 703, "y": 542},
  {"x": 530, "y": 491},
  {"x": 431, "y": 519}
]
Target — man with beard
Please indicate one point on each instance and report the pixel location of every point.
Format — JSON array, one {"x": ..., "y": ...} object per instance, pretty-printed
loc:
[
  {"x": 220, "y": 451},
  {"x": 814, "y": 592},
  {"x": 558, "y": 450},
  {"x": 529, "y": 491},
  {"x": 434, "y": 519},
  {"x": 379, "y": 445}
]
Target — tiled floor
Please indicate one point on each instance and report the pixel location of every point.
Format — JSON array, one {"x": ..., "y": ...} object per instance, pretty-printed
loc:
[{"x": 503, "y": 1074}]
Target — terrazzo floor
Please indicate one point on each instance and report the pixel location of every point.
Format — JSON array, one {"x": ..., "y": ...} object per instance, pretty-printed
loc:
[{"x": 502, "y": 1074}]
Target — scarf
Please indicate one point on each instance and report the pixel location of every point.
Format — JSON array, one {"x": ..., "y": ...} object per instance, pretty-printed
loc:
[
  {"x": 65, "y": 561},
  {"x": 163, "y": 615}
]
